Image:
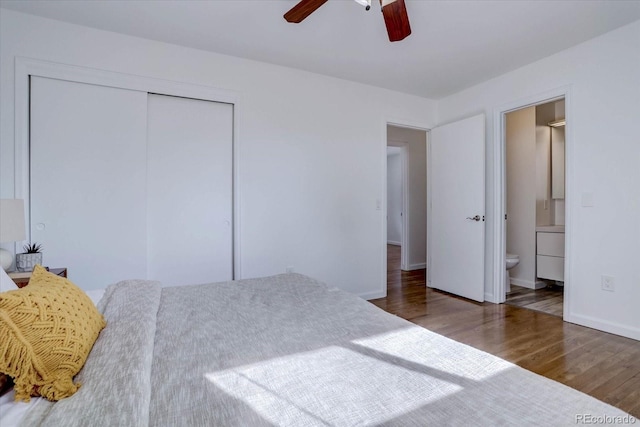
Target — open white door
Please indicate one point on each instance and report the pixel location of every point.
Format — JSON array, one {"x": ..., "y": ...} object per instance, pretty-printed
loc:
[{"x": 456, "y": 215}]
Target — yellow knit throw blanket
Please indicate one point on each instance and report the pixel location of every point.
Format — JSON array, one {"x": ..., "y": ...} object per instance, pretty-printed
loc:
[{"x": 47, "y": 330}]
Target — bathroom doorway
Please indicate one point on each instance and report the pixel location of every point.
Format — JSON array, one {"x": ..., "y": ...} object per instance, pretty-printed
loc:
[{"x": 535, "y": 206}]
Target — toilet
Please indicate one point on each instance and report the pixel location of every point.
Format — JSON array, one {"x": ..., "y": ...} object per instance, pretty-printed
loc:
[{"x": 511, "y": 260}]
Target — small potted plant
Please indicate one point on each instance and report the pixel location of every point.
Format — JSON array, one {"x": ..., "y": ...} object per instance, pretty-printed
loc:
[{"x": 31, "y": 257}]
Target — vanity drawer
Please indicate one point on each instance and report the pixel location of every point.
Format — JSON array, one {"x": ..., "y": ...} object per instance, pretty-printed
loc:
[
  {"x": 550, "y": 244},
  {"x": 550, "y": 267}
]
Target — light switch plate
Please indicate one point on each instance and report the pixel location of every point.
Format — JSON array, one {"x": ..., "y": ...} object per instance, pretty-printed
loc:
[
  {"x": 608, "y": 283},
  {"x": 587, "y": 199}
]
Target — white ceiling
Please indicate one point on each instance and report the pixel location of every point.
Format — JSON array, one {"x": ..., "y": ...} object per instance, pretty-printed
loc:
[{"x": 454, "y": 44}]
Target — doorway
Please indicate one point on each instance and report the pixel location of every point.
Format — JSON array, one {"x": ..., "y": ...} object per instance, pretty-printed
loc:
[
  {"x": 534, "y": 203},
  {"x": 406, "y": 204},
  {"x": 397, "y": 200},
  {"x": 454, "y": 205}
]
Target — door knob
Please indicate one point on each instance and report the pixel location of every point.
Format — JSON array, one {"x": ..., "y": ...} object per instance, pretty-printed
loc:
[{"x": 474, "y": 218}]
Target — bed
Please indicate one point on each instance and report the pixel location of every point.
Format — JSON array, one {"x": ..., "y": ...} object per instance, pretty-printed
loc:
[{"x": 289, "y": 350}]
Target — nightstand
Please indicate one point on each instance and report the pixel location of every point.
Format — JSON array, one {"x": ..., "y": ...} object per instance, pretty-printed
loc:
[{"x": 21, "y": 278}]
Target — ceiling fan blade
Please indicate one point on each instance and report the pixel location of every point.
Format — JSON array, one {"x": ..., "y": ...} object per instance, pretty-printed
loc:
[
  {"x": 396, "y": 19},
  {"x": 303, "y": 9}
]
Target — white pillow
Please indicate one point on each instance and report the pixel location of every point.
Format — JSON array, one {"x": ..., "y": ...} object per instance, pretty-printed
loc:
[{"x": 6, "y": 284}]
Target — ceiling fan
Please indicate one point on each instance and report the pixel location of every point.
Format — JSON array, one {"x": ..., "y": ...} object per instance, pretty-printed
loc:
[{"x": 394, "y": 12}]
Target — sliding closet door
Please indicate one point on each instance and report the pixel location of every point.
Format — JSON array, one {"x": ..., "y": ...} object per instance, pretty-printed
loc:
[
  {"x": 88, "y": 177},
  {"x": 189, "y": 190}
]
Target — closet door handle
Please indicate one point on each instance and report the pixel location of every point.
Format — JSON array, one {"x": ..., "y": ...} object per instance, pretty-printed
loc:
[{"x": 474, "y": 218}]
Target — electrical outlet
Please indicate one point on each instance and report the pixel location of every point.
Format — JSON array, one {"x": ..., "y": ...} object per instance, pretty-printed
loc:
[
  {"x": 289, "y": 269},
  {"x": 608, "y": 283}
]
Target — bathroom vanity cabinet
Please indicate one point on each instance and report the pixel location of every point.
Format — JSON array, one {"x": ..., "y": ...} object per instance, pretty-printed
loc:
[{"x": 550, "y": 252}]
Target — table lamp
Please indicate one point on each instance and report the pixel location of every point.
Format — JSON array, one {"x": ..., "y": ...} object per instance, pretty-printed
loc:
[{"x": 11, "y": 227}]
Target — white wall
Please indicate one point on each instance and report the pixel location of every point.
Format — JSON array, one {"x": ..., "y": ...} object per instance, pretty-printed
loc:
[
  {"x": 394, "y": 196},
  {"x": 416, "y": 143},
  {"x": 521, "y": 194},
  {"x": 311, "y": 149},
  {"x": 603, "y": 155}
]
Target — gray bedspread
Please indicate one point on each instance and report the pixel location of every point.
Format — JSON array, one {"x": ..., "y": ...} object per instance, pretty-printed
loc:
[{"x": 288, "y": 350}]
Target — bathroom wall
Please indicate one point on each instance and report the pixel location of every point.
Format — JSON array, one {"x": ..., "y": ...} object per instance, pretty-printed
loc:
[
  {"x": 521, "y": 193},
  {"x": 558, "y": 212}
]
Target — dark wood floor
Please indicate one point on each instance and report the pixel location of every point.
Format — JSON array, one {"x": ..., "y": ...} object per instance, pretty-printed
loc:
[{"x": 602, "y": 365}]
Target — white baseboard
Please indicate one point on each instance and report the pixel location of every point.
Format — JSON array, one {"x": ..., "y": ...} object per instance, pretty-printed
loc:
[
  {"x": 528, "y": 283},
  {"x": 603, "y": 325},
  {"x": 540, "y": 284},
  {"x": 389, "y": 242},
  {"x": 488, "y": 297},
  {"x": 373, "y": 295},
  {"x": 417, "y": 266}
]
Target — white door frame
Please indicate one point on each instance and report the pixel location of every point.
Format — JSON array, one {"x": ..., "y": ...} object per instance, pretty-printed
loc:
[
  {"x": 404, "y": 123},
  {"x": 27, "y": 67},
  {"x": 499, "y": 205}
]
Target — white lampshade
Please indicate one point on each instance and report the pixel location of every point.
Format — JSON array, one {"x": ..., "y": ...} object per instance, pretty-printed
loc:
[{"x": 11, "y": 227}]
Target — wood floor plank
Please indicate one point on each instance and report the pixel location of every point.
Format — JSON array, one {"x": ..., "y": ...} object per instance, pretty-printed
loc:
[{"x": 602, "y": 365}]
